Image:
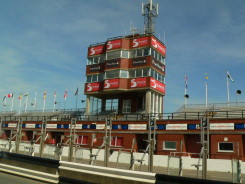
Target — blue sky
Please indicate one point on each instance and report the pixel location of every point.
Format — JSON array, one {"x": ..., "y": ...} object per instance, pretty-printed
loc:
[{"x": 43, "y": 46}]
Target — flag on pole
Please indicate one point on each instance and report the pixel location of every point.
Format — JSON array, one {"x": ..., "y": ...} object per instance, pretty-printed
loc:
[
  {"x": 4, "y": 98},
  {"x": 26, "y": 94},
  {"x": 206, "y": 77},
  {"x": 20, "y": 97},
  {"x": 76, "y": 92},
  {"x": 10, "y": 95},
  {"x": 229, "y": 76},
  {"x": 44, "y": 95},
  {"x": 65, "y": 94},
  {"x": 186, "y": 81}
]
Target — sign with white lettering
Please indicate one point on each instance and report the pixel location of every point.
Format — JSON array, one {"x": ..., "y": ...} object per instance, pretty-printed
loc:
[
  {"x": 221, "y": 126},
  {"x": 137, "y": 127},
  {"x": 176, "y": 127}
]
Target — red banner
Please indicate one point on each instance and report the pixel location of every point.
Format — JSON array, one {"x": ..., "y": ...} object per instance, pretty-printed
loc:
[
  {"x": 138, "y": 82},
  {"x": 140, "y": 42},
  {"x": 159, "y": 47},
  {"x": 95, "y": 50},
  {"x": 111, "y": 84},
  {"x": 93, "y": 87},
  {"x": 157, "y": 85},
  {"x": 114, "y": 44}
]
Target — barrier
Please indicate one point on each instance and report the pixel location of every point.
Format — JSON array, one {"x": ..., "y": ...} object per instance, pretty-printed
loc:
[
  {"x": 69, "y": 171},
  {"x": 28, "y": 166}
]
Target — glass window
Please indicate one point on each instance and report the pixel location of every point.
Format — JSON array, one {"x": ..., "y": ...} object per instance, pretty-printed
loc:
[
  {"x": 146, "y": 51},
  {"x": 89, "y": 78},
  {"x": 139, "y": 52},
  {"x": 125, "y": 54},
  {"x": 111, "y": 104},
  {"x": 139, "y": 73},
  {"x": 112, "y": 74},
  {"x": 226, "y": 146},
  {"x": 82, "y": 139},
  {"x": 145, "y": 72},
  {"x": 100, "y": 77},
  {"x": 124, "y": 74},
  {"x": 113, "y": 55},
  {"x": 169, "y": 145},
  {"x": 131, "y": 73},
  {"x": 126, "y": 106}
]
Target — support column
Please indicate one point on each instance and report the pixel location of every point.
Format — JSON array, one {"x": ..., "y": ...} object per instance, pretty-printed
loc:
[
  {"x": 87, "y": 105},
  {"x": 148, "y": 102},
  {"x": 160, "y": 103}
]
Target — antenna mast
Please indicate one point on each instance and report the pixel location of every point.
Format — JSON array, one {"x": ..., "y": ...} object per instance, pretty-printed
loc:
[{"x": 150, "y": 12}]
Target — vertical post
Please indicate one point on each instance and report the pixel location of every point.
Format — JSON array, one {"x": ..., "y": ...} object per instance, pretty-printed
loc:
[
  {"x": 71, "y": 138},
  {"x": 18, "y": 135},
  {"x": 42, "y": 137},
  {"x": 204, "y": 161},
  {"x": 107, "y": 140},
  {"x": 151, "y": 142}
]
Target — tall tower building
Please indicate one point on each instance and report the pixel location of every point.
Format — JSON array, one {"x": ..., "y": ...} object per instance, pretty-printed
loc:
[{"x": 127, "y": 74}]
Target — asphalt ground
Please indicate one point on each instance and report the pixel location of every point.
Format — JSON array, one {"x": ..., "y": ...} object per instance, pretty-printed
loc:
[{"x": 6, "y": 178}]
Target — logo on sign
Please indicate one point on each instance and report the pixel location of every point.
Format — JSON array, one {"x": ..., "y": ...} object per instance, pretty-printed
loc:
[
  {"x": 158, "y": 65},
  {"x": 92, "y": 51},
  {"x": 89, "y": 87},
  {"x": 154, "y": 85},
  {"x": 109, "y": 45},
  {"x": 133, "y": 83},
  {"x": 154, "y": 42},
  {"x": 107, "y": 84},
  {"x": 135, "y": 43}
]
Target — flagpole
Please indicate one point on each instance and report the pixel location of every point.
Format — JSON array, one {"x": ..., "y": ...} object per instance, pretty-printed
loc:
[
  {"x": 206, "y": 84},
  {"x": 76, "y": 97},
  {"x": 20, "y": 103},
  {"x": 54, "y": 101},
  {"x": 206, "y": 94},
  {"x": 26, "y": 102},
  {"x": 5, "y": 103},
  {"x": 44, "y": 100},
  {"x": 12, "y": 103},
  {"x": 228, "y": 89},
  {"x": 35, "y": 100}
]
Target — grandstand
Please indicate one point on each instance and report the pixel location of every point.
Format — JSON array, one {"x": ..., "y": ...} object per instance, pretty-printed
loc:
[{"x": 58, "y": 115}]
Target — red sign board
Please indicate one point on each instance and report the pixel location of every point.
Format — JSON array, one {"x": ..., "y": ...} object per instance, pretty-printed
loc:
[
  {"x": 95, "y": 50},
  {"x": 114, "y": 44},
  {"x": 111, "y": 84},
  {"x": 138, "y": 83},
  {"x": 159, "y": 47},
  {"x": 157, "y": 85},
  {"x": 140, "y": 42},
  {"x": 93, "y": 87}
]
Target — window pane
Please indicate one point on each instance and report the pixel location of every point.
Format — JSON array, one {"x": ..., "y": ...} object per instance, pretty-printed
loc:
[
  {"x": 145, "y": 72},
  {"x": 132, "y": 54},
  {"x": 146, "y": 52},
  {"x": 89, "y": 78},
  {"x": 124, "y": 74},
  {"x": 140, "y": 52},
  {"x": 125, "y": 54},
  {"x": 90, "y": 61},
  {"x": 113, "y": 54},
  {"x": 131, "y": 73},
  {"x": 138, "y": 72},
  {"x": 119, "y": 141},
  {"x": 112, "y": 74},
  {"x": 225, "y": 146},
  {"x": 169, "y": 145},
  {"x": 102, "y": 59},
  {"x": 85, "y": 140}
]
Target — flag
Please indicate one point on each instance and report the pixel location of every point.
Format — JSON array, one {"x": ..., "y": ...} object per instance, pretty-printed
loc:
[
  {"x": 20, "y": 97},
  {"x": 206, "y": 78},
  {"x": 65, "y": 95},
  {"x": 229, "y": 76},
  {"x": 10, "y": 95},
  {"x": 186, "y": 81},
  {"x": 44, "y": 95},
  {"x": 4, "y": 98},
  {"x": 26, "y": 94},
  {"x": 76, "y": 92}
]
